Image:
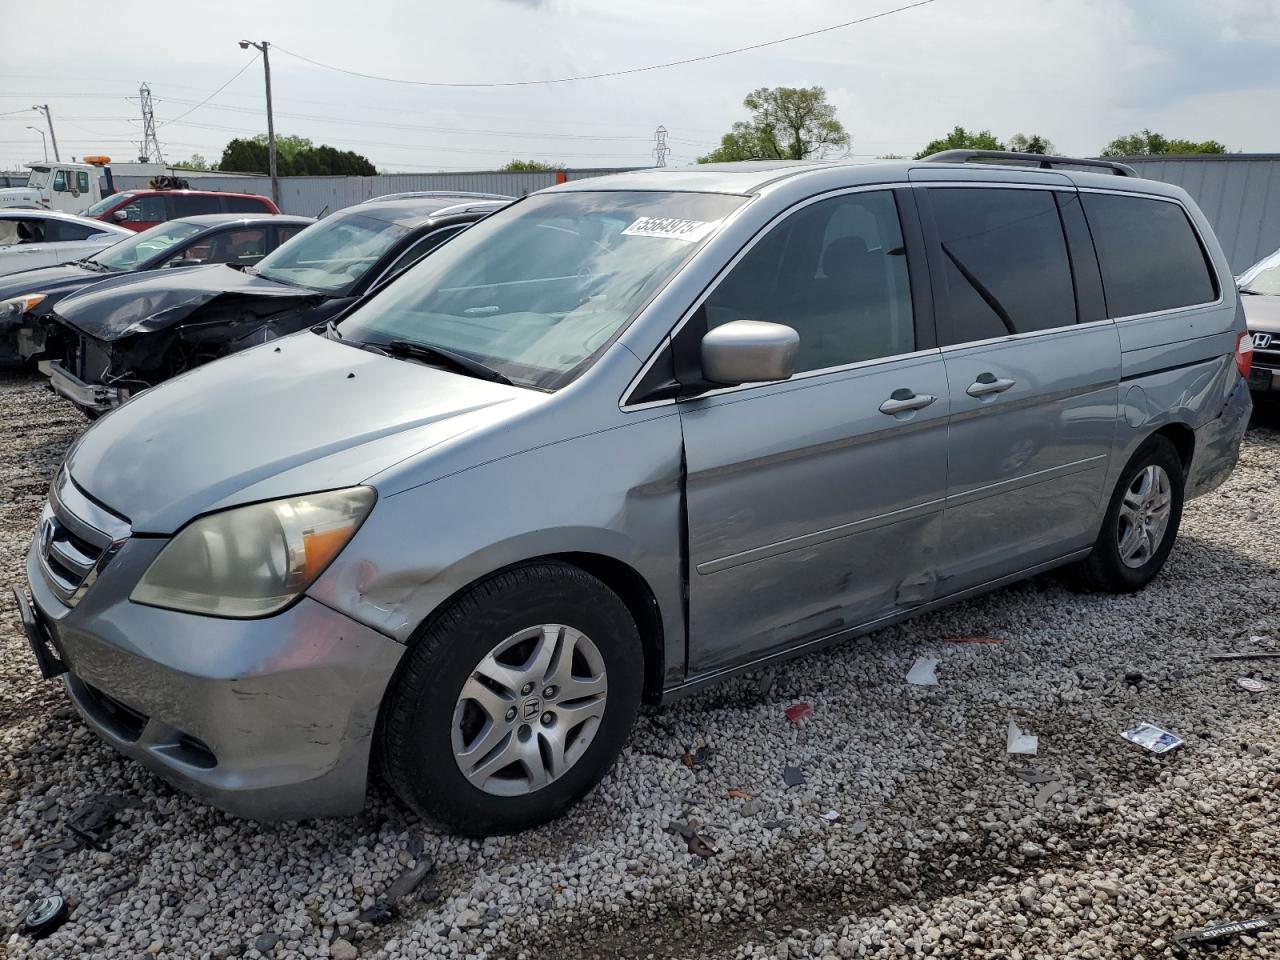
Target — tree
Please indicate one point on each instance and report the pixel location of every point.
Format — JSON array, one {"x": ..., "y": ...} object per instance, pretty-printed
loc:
[
  {"x": 295, "y": 156},
  {"x": 1145, "y": 143},
  {"x": 1021, "y": 143},
  {"x": 787, "y": 123},
  {"x": 962, "y": 139},
  {"x": 530, "y": 166},
  {"x": 197, "y": 162}
]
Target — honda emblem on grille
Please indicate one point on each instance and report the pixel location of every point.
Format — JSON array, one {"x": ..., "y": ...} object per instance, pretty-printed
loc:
[{"x": 1261, "y": 341}]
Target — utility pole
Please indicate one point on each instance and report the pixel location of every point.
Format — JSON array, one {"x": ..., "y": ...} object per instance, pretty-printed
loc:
[
  {"x": 271, "y": 126},
  {"x": 660, "y": 148},
  {"x": 44, "y": 108},
  {"x": 44, "y": 141},
  {"x": 150, "y": 145}
]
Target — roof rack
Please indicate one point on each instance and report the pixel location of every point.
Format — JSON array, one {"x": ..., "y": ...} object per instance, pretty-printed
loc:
[{"x": 1012, "y": 158}]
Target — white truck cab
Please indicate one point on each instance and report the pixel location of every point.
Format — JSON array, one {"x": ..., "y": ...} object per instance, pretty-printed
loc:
[{"x": 69, "y": 187}]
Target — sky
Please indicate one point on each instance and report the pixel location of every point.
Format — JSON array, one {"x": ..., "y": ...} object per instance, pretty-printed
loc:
[{"x": 1079, "y": 73}]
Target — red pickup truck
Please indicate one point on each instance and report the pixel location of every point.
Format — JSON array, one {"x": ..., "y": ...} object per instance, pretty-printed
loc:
[{"x": 140, "y": 209}]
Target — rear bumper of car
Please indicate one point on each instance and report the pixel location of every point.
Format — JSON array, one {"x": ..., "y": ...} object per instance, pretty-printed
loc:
[
  {"x": 1217, "y": 443},
  {"x": 271, "y": 719}
]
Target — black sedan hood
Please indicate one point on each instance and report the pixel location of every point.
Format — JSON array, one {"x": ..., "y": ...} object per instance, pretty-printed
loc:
[
  {"x": 61, "y": 280},
  {"x": 158, "y": 299}
]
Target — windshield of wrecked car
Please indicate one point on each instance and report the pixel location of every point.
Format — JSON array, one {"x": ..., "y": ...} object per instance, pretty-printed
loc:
[
  {"x": 332, "y": 255},
  {"x": 106, "y": 203},
  {"x": 535, "y": 290},
  {"x": 39, "y": 178},
  {"x": 1263, "y": 278},
  {"x": 133, "y": 252}
]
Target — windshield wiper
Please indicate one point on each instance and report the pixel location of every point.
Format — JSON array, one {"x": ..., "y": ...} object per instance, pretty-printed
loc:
[{"x": 439, "y": 355}]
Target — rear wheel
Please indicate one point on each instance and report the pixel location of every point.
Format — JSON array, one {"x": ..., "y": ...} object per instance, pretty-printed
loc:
[
  {"x": 1141, "y": 523},
  {"x": 514, "y": 702}
]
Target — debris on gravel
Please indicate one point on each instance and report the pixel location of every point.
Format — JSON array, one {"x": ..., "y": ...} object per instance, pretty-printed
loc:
[{"x": 943, "y": 848}]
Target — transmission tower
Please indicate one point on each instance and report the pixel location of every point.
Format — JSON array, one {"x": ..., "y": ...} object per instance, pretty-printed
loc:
[
  {"x": 660, "y": 148},
  {"x": 150, "y": 146}
]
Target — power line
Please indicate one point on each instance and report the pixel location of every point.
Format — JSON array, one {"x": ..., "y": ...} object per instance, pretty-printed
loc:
[
  {"x": 614, "y": 73},
  {"x": 214, "y": 94}
]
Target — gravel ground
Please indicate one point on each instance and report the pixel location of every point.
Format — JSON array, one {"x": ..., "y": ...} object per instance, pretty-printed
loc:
[{"x": 911, "y": 835}]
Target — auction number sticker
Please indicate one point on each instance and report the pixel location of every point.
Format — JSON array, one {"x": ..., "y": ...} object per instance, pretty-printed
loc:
[{"x": 671, "y": 228}]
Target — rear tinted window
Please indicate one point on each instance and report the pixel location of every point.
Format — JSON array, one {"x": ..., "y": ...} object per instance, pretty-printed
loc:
[
  {"x": 1004, "y": 260},
  {"x": 245, "y": 205},
  {"x": 1150, "y": 256},
  {"x": 187, "y": 206}
]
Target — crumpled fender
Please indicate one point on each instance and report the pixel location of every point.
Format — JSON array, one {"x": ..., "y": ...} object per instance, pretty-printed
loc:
[{"x": 159, "y": 299}]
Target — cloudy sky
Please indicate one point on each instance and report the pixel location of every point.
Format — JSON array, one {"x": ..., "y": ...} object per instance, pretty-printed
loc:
[{"x": 1079, "y": 73}]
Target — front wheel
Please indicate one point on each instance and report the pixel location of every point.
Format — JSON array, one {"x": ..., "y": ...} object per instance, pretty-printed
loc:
[
  {"x": 1141, "y": 523},
  {"x": 514, "y": 702}
]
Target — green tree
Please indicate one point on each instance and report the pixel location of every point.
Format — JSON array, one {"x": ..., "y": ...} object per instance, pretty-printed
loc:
[
  {"x": 1146, "y": 143},
  {"x": 295, "y": 156},
  {"x": 962, "y": 139},
  {"x": 787, "y": 123},
  {"x": 197, "y": 162},
  {"x": 1021, "y": 143},
  {"x": 530, "y": 166}
]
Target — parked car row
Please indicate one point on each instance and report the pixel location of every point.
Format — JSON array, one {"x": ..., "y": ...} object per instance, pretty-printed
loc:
[{"x": 463, "y": 513}]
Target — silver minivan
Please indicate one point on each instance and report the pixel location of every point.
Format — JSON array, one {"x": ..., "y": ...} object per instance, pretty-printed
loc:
[{"x": 624, "y": 438}]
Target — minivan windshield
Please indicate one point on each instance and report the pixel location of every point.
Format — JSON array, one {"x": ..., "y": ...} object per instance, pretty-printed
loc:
[
  {"x": 132, "y": 252},
  {"x": 535, "y": 290},
  {"x": 106, "y": 203},
  {"x": 332, "y": 255},
  {"x": 1263, "y": 278}
]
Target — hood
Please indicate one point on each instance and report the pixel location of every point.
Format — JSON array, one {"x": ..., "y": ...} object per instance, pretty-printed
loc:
[
  {"x": 296, "y": 415},
  {"x": 1261, "y": 312},
  {"x": 61, "y": 280},
  {"x": 19, "y": 197},
  {"x": 158, "y": 299}
]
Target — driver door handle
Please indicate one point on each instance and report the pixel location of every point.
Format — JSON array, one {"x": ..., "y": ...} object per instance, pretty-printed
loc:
[
  {"x": 905, "y": 401},
  {"x": 989, "y": 384}
]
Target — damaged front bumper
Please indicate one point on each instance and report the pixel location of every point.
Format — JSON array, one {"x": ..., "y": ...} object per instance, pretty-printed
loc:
[
  {"x": 88, "y": 396},
  {"x": 271, "y": 719}
]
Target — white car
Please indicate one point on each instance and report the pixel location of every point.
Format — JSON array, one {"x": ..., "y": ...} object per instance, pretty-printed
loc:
[{"x": 45, "y": 238}]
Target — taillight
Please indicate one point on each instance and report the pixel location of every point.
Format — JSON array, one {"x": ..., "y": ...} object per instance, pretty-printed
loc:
[{"x": 1244, "y": 353}]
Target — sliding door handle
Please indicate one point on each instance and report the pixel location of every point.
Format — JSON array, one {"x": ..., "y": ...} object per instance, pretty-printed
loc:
[
  {"x": 988, "y": 384},
  {"x": 906, "y": 401}
]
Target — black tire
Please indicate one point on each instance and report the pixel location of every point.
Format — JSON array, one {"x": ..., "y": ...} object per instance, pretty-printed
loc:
[
  {"x": 415, "y": 738},
  {"x": 1104, "y": 570}
]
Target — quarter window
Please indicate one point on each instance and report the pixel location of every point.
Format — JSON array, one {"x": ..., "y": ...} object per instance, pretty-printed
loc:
[
  {"x": 835, "y": 271},
  {"x": 1004, "y": 262},
  {"x": 245, "y": 205},
  {"x": 188, "y": 205},
  {"x": 1149, "y": 254}
]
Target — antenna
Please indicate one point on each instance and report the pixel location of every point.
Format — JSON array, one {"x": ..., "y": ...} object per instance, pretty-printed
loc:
[
  {"x": 660, "y": 148},
  {"x": 150, "y": 146}
]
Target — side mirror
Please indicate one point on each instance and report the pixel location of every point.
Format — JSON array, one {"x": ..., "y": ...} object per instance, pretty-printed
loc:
[
  {"x": 749, "y": 351},
  {"x": 120, "y": 216}
]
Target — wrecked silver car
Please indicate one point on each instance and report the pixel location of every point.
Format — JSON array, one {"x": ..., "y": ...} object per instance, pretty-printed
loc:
[{"x": 129, "y": 333}]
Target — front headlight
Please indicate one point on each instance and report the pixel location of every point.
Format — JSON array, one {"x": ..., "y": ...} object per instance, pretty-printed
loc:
[
  {"x": 252, "y": 561},
  {"x": 15, "y": 307}
]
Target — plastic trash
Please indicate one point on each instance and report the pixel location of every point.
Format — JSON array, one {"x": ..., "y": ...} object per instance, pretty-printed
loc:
[
  {"x": 924, "y": 672},
  {"x": 799, "y": 711},
  {"x": 1153, "y": 738},
  {"x": 1253, "y": 685},
  {"x": 1224, "y": 931},
  {"x": 792, "y": 776},
  {"x": 1025, "y": 744}
]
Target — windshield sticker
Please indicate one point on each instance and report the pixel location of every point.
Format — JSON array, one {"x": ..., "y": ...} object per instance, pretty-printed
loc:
[{"x": 671, "y": 228}]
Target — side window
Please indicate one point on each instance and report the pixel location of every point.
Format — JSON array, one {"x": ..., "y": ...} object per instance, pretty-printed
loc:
[
  {"x": 31, "y": 231},
  {"x": 239, "y": 246},
  {"x": 60, "y": 230},
  {"x": 189, "y": 206},
  {"x": 147, "y": 209},
  {"x": 8, "y": 232},
  {"x": 1149, "y": 254},
  {"x": 244, "y": 205},
  {"x": 418, "y": 250},
  {"x": 288, "y": 233},
  {"x": 60, "y": 182},
  {"x": 835, "y": 271},
  {"x": 1004, "y": 262},
  {"x": 82, "y": 181}
]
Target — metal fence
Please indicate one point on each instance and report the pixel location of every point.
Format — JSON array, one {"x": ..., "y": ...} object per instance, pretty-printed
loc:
[
  {"x": 1238, "y": 192},
  {"x": 309, "y": 196}
]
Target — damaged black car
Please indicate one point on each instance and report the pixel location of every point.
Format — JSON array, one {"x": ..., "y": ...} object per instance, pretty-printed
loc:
[
  {"x": 121, "y": 336},
  {"x": 28, "y": 297}
]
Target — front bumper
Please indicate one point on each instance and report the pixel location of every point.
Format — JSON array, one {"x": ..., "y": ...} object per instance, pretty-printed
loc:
[
  {"x": 271, "y": 719},
  {"x": 1264, "y": 380},
  {"x": 89, "y": 396}
]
